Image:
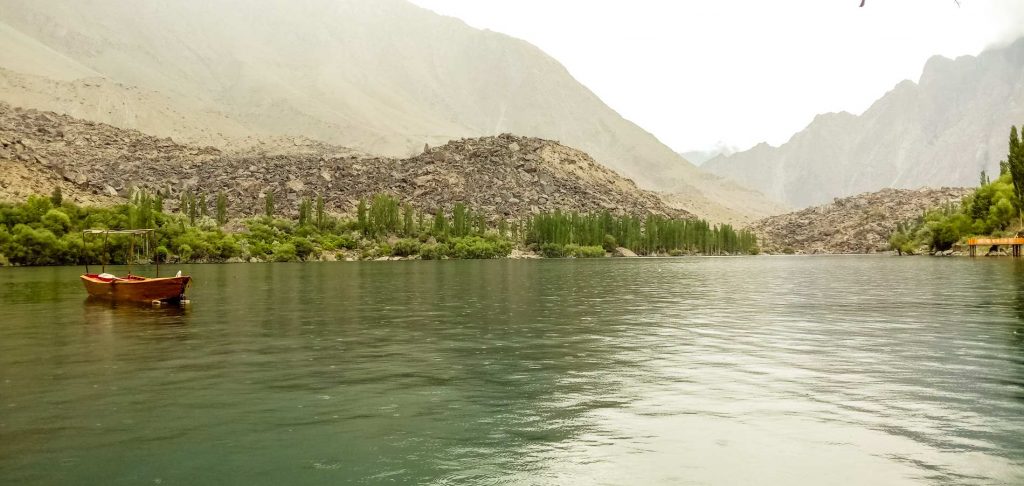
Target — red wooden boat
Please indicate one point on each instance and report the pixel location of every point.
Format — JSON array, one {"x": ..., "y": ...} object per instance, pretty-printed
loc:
[{"x": 134, "y": 288}]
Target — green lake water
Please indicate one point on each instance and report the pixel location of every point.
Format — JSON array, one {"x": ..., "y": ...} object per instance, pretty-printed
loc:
[{"x": 759, "y": 370}]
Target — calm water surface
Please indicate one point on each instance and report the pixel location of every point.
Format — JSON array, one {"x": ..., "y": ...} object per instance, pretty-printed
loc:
[{"x": 767, "y": 370}]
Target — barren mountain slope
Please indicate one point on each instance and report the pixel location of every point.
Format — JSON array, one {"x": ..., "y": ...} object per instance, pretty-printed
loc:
[
  {"x": 502, "y": 176},
  {"x": 379, "y": 76},
  {"x": 941, "y": 131},
  {"x": 856, "y": 224}
]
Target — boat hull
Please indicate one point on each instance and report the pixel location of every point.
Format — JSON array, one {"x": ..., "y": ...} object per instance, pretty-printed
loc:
[{"x": 137, "y": 289}]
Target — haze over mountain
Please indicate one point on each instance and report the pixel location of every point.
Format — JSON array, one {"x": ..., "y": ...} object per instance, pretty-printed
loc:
[
  {"x": 698, "y": 157},
  {"x": 380, "y": 76},
  {"x": 940, "y": 131}
]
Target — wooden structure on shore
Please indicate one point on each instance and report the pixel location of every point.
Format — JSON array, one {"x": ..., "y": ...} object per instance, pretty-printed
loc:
[{"x": 1014, "y": 244}]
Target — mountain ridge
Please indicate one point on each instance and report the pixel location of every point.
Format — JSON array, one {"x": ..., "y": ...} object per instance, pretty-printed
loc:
[
  {"x": 940, "y": 131},
  {"x": 504, "y": 176},
  {"x": 380, "y": 77}
]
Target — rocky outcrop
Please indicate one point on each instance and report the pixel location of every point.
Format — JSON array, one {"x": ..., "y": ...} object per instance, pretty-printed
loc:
[
  {"x": 623, "y": 252},
  {"x": 857, "y": 224},
  {"x": 505, "y": 175},
  {"x": 381, "y": 76}
]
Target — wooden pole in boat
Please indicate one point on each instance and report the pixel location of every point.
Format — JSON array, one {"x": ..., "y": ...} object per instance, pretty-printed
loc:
[
  {"x": 131, "y": 253},
  {"x": 156, "y": 257},
  {"x": 104, "y": 256},
  {"x": 85, "y": 248}
]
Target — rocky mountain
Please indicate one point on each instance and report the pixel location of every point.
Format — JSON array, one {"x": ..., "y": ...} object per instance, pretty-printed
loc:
[
  {"x": 698, "y": 157},
  {"x": 856, "y": 224},
  {"x": 379, "y": 76},
  {"x": 504, "y": 175},
  {"x": 940, "y": 131}
]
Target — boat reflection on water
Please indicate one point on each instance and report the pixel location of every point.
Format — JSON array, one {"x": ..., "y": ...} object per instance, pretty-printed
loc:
[{"x": 108, "y": 313}]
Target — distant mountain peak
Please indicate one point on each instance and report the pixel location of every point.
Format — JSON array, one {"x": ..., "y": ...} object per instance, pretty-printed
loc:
[{"x": 941, "y": 131}]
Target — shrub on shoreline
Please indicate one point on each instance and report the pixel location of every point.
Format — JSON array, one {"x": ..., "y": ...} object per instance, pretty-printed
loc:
[{"x": 577, "y": 251}]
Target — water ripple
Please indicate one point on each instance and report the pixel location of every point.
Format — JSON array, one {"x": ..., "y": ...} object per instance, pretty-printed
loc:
[{"x": 770, "y": 370}]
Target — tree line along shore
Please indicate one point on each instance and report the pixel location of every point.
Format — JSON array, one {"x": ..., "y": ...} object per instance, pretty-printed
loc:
[
  {"x": 47, "y": 230},
  {"x": 995, "y": 208}
]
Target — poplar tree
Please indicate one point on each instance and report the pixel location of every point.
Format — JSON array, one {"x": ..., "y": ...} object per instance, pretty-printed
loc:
[
  {"x": 304, "y": 208},
  {"x": 203, "y": 210},
  {"x": 222, "y": 209},
  {"x": 407, "y": 220},
  {"x": 1015, "y": 161},
  {"x": 183, "y": 204},
  {"x": 384, "y": 215},
  {"x": 361, "y": 216},
  {"x": 320, "y": 215},
  {"x": 481, "y": 224},
  {"x": 193, "y": 209},
  {"x": 654, "y": 234},
  {"x": 268, "y": 205},
  {"x": 459, "y": 218},
  {"x": 440, "y": 228}
]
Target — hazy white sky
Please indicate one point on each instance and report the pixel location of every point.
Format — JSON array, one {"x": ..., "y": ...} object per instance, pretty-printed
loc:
[{"x": 696, "y": 73}]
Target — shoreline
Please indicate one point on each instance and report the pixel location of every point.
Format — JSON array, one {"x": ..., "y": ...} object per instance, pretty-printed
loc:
[
  {"x": 352, "y": 257},
  {"x": 535, "y": 257}
]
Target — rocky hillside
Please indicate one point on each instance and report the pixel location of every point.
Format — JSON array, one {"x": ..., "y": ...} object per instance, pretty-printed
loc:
[
  {"x": 857, "y": 224},
  {"x": 503, "y": 175},
  {"x": 940, "y": 131},
  {"x": 382, "y": 77}
]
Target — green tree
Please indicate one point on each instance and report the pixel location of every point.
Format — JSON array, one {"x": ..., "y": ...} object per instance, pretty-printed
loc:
[
  {"x": 284, "y": 252},
  {"x": 1015, "y": 162},
  {"x": 459, "y": 220},
  {"x": 655, "y": 234},
  {"x": 268, "y": 205},
  {"x": 56, "y": 197},
  {"x": 502, "y": 227},
  {"x": 321, "y": 217},
  {"x": 440, "y": 227},
  {"x": 57, "y": 222},
  {"x": 303, "y": 248},
  {"x": 160, "y": 254},
  {"x": 899, "y": 241},
  {"x": 183, "y": 204},
  {"x": 406, "y": 247},
  {"x": 407, "y": 220},
  {"x": 193, "y": 209},
  {"x": 204, "y": 211},
  {"x": 384, "y": 218},
  {"x": 222, "y": 209},
  {"x": 481, "y": 225},
  {"x": 305, "y": 207},
  {"x": 361, "y": 216},
  {"x": 185, "y": 253},
  {"x": 609, "y": 244}
]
